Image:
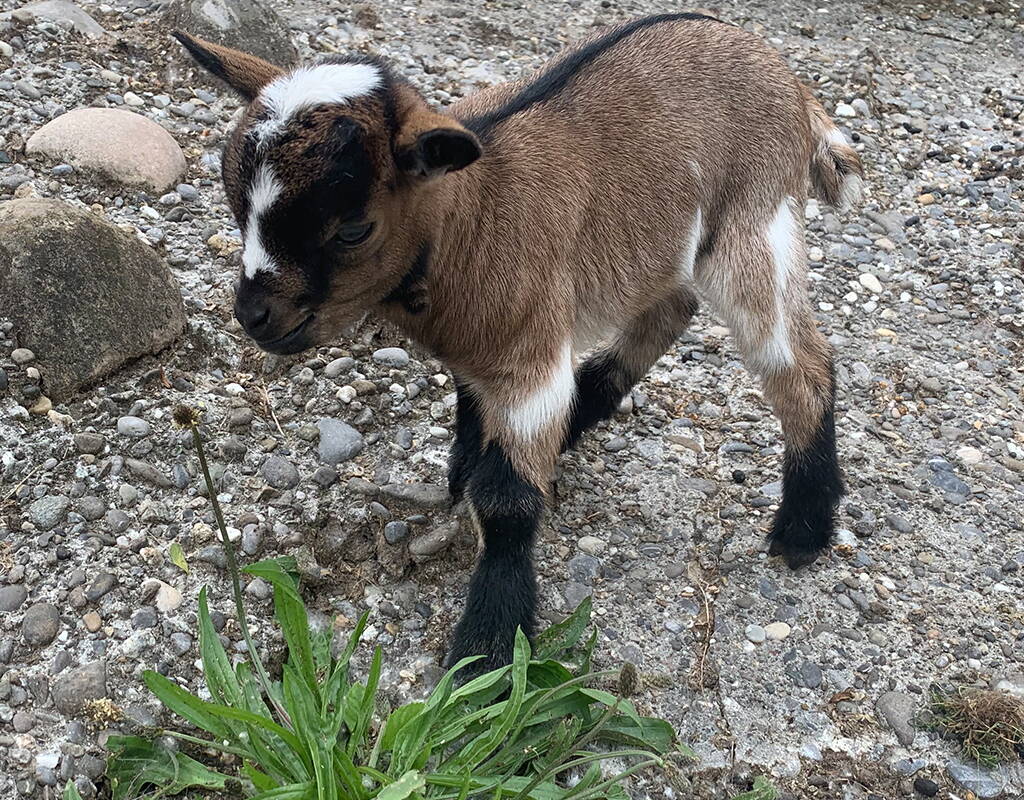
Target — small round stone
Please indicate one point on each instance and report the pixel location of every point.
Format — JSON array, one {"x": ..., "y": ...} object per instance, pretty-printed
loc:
[
  {"x": 22, "y": 356},
  {"x": 755, "y": 634},
  {"x": 777, "y": 631},
  {"x": 40, "y": 625},
  {"x": 133, "y": 427}
]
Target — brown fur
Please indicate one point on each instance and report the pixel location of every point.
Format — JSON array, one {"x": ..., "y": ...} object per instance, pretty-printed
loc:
[{"x": 573, "y": 224}]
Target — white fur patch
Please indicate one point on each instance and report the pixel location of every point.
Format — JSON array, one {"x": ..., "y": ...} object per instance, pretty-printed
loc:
[
  {"x": 315, "y": 85},
  {"x": 547, "y": 403},
  {"x": 850, "y": 186},
  {"x": 776, "y": 354},
  {"x": 264, "y": 191},
  {"x": 689, "y": 259}
]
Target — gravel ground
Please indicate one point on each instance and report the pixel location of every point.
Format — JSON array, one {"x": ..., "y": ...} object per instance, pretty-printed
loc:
[{"x": 813, "y": 677}]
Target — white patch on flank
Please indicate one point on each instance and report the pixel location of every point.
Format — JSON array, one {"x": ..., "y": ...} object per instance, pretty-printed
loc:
[
  {"x": 689, "y": 259},
  {"x": 547, "y": 403},
  {"x": 313, "y": 86},
  {"x": 776, "y": 354},
  {"x": 264, "y": 191}
]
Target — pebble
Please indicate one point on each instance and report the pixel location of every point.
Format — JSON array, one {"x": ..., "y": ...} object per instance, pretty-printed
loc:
[
  {"x": 777, "y": 631},
  {"x": 396, "y": 531},
  {"x": 591, "y": 545},
  {"x": 40, "y": 625},
  {"x": 925, "y": 786},
  {"x": 811, "y": 674},
  {"x": 425, "y": 547},
  {"x": 897, "y": 709},
  {"x": 133, "y": 427},
  {"x": 392, "y": 357},
  {"x": 92, "y": 621},
  {"x": 280, "y": 473},
  {"x": 12, "y": 597},
  {"x": 49, "y": 511},
  {"x": 22, "y": 356},
  {"x": 417, "y": 495},
  {"x": 756, "y": 634},
  {"x": 339, "y": 441},
  {"x": 76, "y": 687},
  {"x": 870, "y": 282},
  {"x": 983, "y": 782},
  {"x": 90, "y": 443},
  {"x": 101, "y": 585}
]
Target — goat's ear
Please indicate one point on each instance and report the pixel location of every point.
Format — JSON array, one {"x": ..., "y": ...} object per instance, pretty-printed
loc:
[
  {"x": 244, "y": 73},
  {"x": 438, "y": 151}
]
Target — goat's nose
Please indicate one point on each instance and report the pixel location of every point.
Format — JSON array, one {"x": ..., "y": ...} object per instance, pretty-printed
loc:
[{"x": 254, "y": 314}]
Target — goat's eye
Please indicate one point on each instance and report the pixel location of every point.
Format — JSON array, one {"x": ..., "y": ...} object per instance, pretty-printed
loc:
[{"x": 351, "y": 235}]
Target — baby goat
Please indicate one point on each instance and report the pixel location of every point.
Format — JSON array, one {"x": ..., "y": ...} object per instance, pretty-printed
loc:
[{"x": 590, "y": 204}]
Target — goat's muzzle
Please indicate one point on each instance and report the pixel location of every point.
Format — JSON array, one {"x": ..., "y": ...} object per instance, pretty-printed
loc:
[{"x": 274, "y": 323}]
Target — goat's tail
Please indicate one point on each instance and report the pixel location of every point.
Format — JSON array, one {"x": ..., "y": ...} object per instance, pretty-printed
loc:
[{"x": 836, "y": 171}]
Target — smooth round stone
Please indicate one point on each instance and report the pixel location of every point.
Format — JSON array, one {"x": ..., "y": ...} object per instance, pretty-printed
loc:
[
  {"x": 777, "y": 631},
  {"x": 280, "y": 473},
  {"x": 22, "y": 356},
  {"x": 40, "y": 625},
  {"x": 392, "y": 357},
  {"x": 134, "y": 427},
  {"x": 11, "y": 597},
  {"x": 755, "y": 634},
  {"x": 125, "y": 148}
]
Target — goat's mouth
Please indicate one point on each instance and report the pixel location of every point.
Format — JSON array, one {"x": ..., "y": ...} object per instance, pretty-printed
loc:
[{"x": 295, "y": 341}]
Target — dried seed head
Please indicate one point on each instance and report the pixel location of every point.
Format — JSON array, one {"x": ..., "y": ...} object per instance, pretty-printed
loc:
[
  {"x": 629, "y": 680},
  {"x": 185, "y": 417}
]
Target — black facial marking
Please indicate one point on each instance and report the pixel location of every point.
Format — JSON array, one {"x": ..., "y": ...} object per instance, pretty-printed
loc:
[
  {"x": 563, "y": 71},
  {"x": 411, "y": 292},
  {"x": 293, "y": 229}
]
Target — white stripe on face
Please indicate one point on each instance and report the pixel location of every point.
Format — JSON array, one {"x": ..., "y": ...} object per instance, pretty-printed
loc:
[
  {"x": 549, "y": 402},
  {"x": 315, "y": 85},
  {"x": 264, "y": 191}
]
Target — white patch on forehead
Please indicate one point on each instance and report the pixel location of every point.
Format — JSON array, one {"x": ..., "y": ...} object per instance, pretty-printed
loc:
[
  {"x": 547, "y": 403},
  {"x": 315, "y": 85},
  {"x": 264, "y": 191}
]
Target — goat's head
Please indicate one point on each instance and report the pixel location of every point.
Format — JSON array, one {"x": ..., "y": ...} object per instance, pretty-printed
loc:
[{"x": 325, "y": 173}]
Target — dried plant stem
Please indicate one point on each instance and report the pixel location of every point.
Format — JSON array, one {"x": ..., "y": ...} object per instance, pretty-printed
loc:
[{"x": 236, "y": 585}]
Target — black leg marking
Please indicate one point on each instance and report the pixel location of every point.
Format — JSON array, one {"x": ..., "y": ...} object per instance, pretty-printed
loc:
[
  {"x": 466, "y": 446},
  {"x": 812, "y": 486},
  {"x": 600, "y": 386},
  {"x": 503, "y": 591}
]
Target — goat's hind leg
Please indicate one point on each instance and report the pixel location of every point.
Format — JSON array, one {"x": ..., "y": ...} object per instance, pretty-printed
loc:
[
  {"x": 608, "y": 375},
  {"x": 756, "y": 278}
]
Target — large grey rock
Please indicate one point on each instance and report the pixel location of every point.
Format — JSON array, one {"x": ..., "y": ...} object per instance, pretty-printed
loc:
[
  {"x": 125, "y": 148},
  {"x": 85, "y": 296},
  {"x": 61, "y": 12},
  {"x": 76, "y": 687},
  {"x": 975, "y": 778},
  {"x": 247, "y": 25}
]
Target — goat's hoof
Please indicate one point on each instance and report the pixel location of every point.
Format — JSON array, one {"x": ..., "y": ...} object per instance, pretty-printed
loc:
[
  {"x": 800, "y": 538},
  {"x": 794, "y": 556}
]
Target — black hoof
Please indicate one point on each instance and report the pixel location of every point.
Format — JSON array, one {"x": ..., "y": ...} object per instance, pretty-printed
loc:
[{"x": 800, "y": 537}]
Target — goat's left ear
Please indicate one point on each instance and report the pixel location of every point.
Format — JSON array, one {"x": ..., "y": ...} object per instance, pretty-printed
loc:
[
  {"x": 437, "y": 151},
  {"x": 245, "y": 73}
]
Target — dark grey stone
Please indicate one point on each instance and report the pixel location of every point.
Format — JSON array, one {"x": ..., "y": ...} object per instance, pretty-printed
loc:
[
  {"x": 11, "y": 597},
  {"x": 40, "y": 625},
  {"x": 83, "y": 295},
  {"x": 248, "y": 25},
  {"x": 339, "y": 441},
  {"x": 280, "y": 473},
  {"x": 78, "y": 686}
]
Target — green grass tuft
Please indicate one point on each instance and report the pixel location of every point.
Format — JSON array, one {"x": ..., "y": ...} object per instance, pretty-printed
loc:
[{"x": 528, "y": 731}]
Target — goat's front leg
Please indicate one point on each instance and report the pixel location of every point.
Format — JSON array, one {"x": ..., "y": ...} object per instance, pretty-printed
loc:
[
  {"x": 506, "y": 493},
  {"x": 467, "y": 447}
]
